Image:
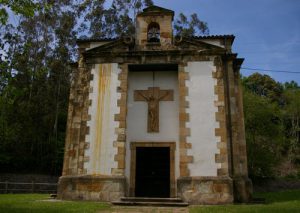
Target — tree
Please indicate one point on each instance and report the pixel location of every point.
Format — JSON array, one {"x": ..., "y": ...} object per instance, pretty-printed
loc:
[
  {"x": 291, "y": 111},
  {"x": 35, "y": 94},
  {"x": 265, "y": 86},
  {"x": 115, "y": 21},
  {"x": 35, "y": 75},
  {"x": 272, "y": 125},
  {"x": 19, "y": 7},
  {"x": 192, "y": 27},
  {"x": 119, "y": 19},
  {"x": 264, "y": 134}
]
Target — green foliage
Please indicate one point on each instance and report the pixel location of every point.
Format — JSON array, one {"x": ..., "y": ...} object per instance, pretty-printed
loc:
[
  {"x": 291, "y": 112},
  {"x": 115, "y": 21},
  {"x": 264, "y": 134},
  {"x": 118, "y": 20},
  {"x": 3, "y": 16},
  {"x": 192, "y": 27},
  {"x": 272, "y": 112},
  {"x": 264, "y": 85},
  {"x": 23, "y": 7},
  {"x": 34, "y": 89}
]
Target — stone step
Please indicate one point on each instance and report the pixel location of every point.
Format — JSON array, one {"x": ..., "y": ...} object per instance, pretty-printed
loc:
[
  {"x": 152, "y": 199},
  {"x": 151, "y": 203}
]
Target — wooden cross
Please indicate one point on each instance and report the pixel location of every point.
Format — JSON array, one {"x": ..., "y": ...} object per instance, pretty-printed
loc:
[{"x": 153, "y": 96}]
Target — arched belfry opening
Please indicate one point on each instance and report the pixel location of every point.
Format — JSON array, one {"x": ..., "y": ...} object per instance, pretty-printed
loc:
[
  {"x": 154, "y": 26},
  {"x": 153, "y": 32}
]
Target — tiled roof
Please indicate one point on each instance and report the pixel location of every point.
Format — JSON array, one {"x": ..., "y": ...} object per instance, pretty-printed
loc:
[
  {"x": 213, "y": 36},
  {"x": 155, "y": 8},
  {"x": 95, "y": 40},
  {"x": 194, "y": 37}
]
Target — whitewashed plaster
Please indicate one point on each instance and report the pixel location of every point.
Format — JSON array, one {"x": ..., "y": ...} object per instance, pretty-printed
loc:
[
  {"x": 202, "y": 118},
  {"x": 214, "y": 42},
  {"x": 102, "y": 126},
  {"x": 137, "y": 113},
  {"x": 96, "y": 44}
]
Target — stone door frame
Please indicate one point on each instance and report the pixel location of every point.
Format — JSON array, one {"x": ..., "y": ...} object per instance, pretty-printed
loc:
[{"x": 134, "y": 145}]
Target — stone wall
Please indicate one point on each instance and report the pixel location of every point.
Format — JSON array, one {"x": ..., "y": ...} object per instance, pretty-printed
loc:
[
  {"x": 223, "y": 157},
  {"x": 205, "y": 190},
  {"x": 90, "y": 187},
  {"x": 241, "y": 183},
  {"x": 77, "y": 120},
  {"x": 164, "y": 20},
  {"x": 184, "y": 118},
  {"x": 120, "y": 143},
  {"x": 165, "y": 30}
]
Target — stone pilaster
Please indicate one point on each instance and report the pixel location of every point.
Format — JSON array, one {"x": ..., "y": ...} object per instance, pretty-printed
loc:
[
  {"x": 242, "y": 184},
  {"x": 121, "y": 118},
  {"x": 77, "y": 121},
  {"x": 184, "y": 131},
  {"x": 221, "y": 131},
  {"x": 241, "y": 124}
]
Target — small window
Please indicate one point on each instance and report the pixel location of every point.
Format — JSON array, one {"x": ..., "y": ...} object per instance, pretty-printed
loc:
[{"x": 153, "y": 32}]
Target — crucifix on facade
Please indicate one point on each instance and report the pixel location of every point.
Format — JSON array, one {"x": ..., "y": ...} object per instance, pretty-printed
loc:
[{"x": 153, "y": 96}]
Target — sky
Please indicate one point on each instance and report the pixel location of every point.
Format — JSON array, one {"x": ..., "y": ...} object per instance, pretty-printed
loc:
[{"x": 267, "y": 31}]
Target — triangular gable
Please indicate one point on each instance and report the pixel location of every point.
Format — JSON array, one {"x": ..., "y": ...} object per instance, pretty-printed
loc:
[
  {"x": 119, "y": 45},
  {"x": 185, "y": 43},
  {"x": 195, "y": 44},
  {"x": 156, "y": 9}
]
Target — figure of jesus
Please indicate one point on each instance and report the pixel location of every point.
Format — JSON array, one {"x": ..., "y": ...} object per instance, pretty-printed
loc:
[{"x": 153, "y": 96}]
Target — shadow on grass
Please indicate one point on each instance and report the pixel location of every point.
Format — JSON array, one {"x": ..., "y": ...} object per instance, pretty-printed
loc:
[{"x": 281, "y": 196}]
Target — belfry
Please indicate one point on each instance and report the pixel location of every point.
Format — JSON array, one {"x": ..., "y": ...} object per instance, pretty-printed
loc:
[{"x": 156, "y": 116}]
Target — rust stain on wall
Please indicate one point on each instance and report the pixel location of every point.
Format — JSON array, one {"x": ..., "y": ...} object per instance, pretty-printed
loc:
[{"x": 103, "y": 105}]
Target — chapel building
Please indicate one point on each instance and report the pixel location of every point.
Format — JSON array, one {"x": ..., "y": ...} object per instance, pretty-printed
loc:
[{"x": 155, "y": 115}]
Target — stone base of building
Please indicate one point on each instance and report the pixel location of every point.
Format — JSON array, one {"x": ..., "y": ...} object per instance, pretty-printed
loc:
[
  {"x": 242, "y": 189},
  {"x": 205, "y": 190},
  {"x": 90, "y": 187}
]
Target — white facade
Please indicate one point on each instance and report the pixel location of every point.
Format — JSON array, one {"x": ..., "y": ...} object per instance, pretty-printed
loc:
[
  {"x": 102, "y": 126},
  {"x": 202, "y": 118},
  {"x": 202, "y": 111},
  {"x": 138, "y": 110}
]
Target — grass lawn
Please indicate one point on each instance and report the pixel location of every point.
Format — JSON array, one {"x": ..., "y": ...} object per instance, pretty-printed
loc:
[
  {"x": 287, "y": 201},
  {"x": 35, "y": 203}
]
